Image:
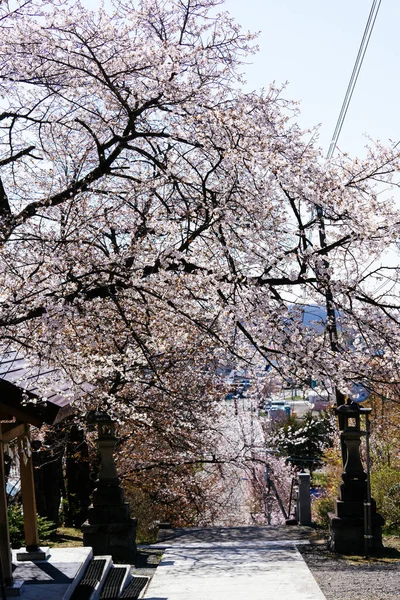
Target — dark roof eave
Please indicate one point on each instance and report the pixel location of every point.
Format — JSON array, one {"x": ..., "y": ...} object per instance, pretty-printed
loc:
[{"x": 14, "y": 400}]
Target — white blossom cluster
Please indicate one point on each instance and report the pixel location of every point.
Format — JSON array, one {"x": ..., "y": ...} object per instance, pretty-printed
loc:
[{"x": 156, "y": 222}]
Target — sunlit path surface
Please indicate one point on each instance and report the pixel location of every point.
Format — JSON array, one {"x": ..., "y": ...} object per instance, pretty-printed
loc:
[{"x": 240, "y": 563}]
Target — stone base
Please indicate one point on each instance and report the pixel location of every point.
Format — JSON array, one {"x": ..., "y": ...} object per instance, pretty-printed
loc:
[
  {"x": 117, "y": 539},
  {"x": 15, "y": 589},
  {"x": 35, "y": 555},
  {"x": 109, "y": 513},
  {"x": 346, "y": 535}
]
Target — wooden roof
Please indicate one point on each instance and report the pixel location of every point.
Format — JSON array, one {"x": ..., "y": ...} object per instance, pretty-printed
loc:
[{"x": 26, "y": 394}]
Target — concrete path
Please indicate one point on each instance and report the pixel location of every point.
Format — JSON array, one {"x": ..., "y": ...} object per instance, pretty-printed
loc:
[{"x": 241, "y": 563}]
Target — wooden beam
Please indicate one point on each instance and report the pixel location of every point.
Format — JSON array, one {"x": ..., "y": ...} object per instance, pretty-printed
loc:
[
  {"x": 5, "y": 413},
  {"x": 25, "y": 416},
  {"x": 5, "y": 552},
  {"x": 15, "y": 430},
  {"x": 29, "y": 408},
  {"x": 28, "y": 495}
]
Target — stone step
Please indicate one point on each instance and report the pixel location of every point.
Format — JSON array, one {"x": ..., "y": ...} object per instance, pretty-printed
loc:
[
  {"x": 117, "y": 579},
  {"x": 91, "y": 584},
  {"x": 135, "y": 588}
]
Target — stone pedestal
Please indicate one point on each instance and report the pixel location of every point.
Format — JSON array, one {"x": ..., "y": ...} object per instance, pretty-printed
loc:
[
  {"x": 15, "y": 588},
  {"x": 109, "y": 528},
  {"x": 347, "y": 523},
  {"x": 117, "y": 539},
  {"x": 303, "y": 512},
  {"x": 40, "y": 554}
]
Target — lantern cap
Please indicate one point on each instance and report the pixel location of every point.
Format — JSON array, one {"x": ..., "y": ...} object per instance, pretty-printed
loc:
[
  {"x": 98, "y": 416},
  {"x": 353, "y": 407}
]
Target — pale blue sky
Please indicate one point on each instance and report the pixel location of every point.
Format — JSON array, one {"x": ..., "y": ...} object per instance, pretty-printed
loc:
[{"x": 313, "y": 44}]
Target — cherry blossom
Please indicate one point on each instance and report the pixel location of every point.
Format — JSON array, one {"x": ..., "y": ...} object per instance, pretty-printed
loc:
[{"x": 158, "y": 224}]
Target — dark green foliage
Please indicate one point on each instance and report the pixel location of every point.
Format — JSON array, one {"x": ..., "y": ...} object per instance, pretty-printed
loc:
[
  {"x": 303, "y": 442},
  {"x": 46, "y": 528},
  {"x": 385, "y": 484},
  {"x": 321, "y": 509}
]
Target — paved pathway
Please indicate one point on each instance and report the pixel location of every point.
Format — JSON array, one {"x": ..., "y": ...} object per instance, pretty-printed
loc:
[{"x": 240, "y": 563}]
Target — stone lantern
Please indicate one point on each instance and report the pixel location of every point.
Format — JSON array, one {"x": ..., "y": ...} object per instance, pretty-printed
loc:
[
  {"x": 109, "y": 528},
  {"x": 355, "y": 519},
  {"x": 106, "y": 441},
  {"x": 350, "y": 437}
]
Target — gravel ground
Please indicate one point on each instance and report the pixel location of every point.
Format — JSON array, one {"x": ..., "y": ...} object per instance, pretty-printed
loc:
[
  {"x": 355, "y": 578},
  {"x": 146, "y": 562}
]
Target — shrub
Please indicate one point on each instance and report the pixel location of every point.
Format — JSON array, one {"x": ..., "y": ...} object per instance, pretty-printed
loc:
[
  {"x": 303, "y": 441},
  {"x": 321, "y": 507},
  {"x": 385, "y": 487},
  {"x": 16, "y": 525}
]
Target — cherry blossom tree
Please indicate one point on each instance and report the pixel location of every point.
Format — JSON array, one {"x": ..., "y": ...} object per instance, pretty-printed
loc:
[{"x": 158, "y": 223}]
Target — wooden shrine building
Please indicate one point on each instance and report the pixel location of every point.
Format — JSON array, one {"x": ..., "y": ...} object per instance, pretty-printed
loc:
[{"x": 24, "y": 401}]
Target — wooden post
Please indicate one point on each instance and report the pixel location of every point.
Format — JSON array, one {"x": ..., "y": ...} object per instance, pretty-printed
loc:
[
  {"x": 28, "y": 495},
  {"x": 5, "y": 551}
]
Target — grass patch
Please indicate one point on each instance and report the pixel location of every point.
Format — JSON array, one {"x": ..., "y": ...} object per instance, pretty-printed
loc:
[
  {"x": 66, "y": 537},
  {"x": 390, "y": 554}
]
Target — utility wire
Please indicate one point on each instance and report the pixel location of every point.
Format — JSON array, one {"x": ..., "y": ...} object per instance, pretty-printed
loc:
[
  {"x": 331, "y": 325},
  {"x": 354, "y": 76}
]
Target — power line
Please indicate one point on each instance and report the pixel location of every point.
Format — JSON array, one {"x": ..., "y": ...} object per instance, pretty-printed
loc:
[
  {"x": 331, "y": 325},
  {"x": 354, "y": 76}
]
